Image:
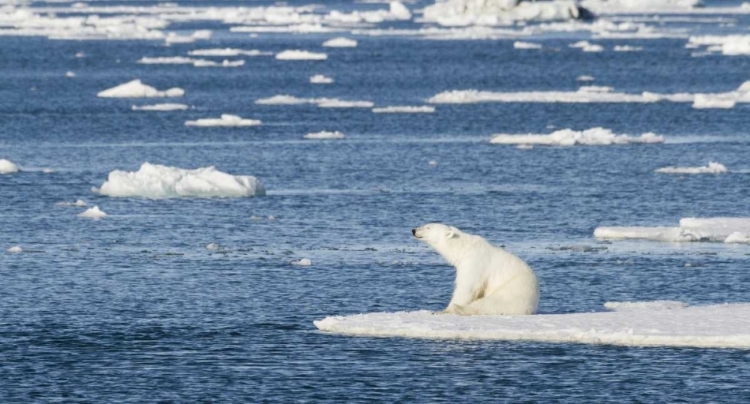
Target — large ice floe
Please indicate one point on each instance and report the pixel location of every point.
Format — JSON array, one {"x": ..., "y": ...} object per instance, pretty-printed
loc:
[
  {"x": 587, "y": 94},
  {"x": 300, "y": 55},
  {"x": 404, "y": 109},
  {"x": 497, "y": 12},
  {"x": 713, "y": 229},
  {"x": 712, "y": 168},
  {"x": 7, "y": 167},
  {"x": 158, "y": 181},
  {"x": 632, "y": 324},
  {"x": 160, "y": 107},
  {"x": 225, "y": 120},
  {"x": 340, "y": 42},
  {"x": 570, "y": 137},
  {"x": 136, "y": 89}
]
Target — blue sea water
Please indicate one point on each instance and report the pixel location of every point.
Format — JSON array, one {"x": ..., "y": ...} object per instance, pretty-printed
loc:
[{"x": 134, "y": 308}]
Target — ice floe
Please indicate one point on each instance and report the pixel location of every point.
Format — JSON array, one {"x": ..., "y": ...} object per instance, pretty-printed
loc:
[
  {"x": 227, "y": 52},
  {"x": 652, "y": 305},
  {"x": 284, "y": 99},
  {"x": 136, "y": 89},
  {"x": 160, "y": 107},
  {"x": 715, "y": 229},
  {"x": 627, "y": 48},
  {"x": 213, "y": 247},
  {"x": 336, "y": 103},
  {"x": 175, "y": 38},
  {"x": 320, "y": 79},
  {"x": 93, "y": 213},
  {"x": 70, "y": 74},
  {"x": 498, "y": 12},
  {"x": 15, "y": 250},
  {"x": 158, "y": 181},
  {"x": 585, "y": 78},
  {"x": 78, "y": 203},
  {"x": 728, "y": 45},
  {"x": 166, "y": 60},
  {"x": 225, "y": 120},
  {"x": 712, "y": 168},
  {"x": 7, "y": 167},
  {"x": 340, "y": 42},
  {"x": 404, "y": 109},
  {"x": 223, "y": 63},
  {"x": 300, "y": 55},
  {"x": 569, "y": 137},
  {"x": 586, "y": 46},
  {"x": 526, "y": 45},
  {"x": 719, "y": 326},
  {"x": 325, "y": 135},
  {"x": 304, "y": 262},
  {"x": 703, "y": 101},
  {"x": 639, "y": 6}
]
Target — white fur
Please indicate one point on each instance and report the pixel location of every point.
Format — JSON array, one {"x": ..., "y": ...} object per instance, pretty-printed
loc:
[{"x": 489, "y": 280}]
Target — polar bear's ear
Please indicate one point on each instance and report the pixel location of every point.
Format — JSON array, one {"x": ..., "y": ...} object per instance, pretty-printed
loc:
[{"x": 452, "y": 232}]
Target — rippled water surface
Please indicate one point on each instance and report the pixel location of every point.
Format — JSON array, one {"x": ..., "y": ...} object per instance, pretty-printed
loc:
[{"x": 134, "y": 308}]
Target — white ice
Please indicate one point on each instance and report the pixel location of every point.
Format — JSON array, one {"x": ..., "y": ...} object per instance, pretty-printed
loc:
[
  {"x": 284, "y": 99},
  {"x": 227, "y": 52},
  {"x": 225, "y": 120},
  {"x": 300, "y": 55},
  {"x": 639, "y": 6},
  {"x": 15, "y": 250},
  {"x": 77, "y": 203},
  {"x": 158, "y": 181},
  {"x": 7, "y": 167},
  {"x": 497, "y": 12},
  {"x": 728, "y": 45},
  {"x": 404, "y": 109},
  {"x": 586, "y": 46},
  {"x": 160, "y": 107},
  {"x": 627, "y": 48},
  {"x": 213, "y": 247},
  {"x": 526, "y": 45},
  {"x": 304, "y": 262},
  {"x": 652, "y": 305},
  {"x": 70, "y": 74},
  {"x": 702, "y": 101},
  {"x": 569, "y": 137},
  {"x": 325, "y": 135},
  {"x": 93, "y": 213},
  {"x": 336, "y": 103},
  {"x": 166, "y": 60},
  {"x": 585, "y": 78},
  {"x": 340, "y": 42},
  {"x": 136, "y": 89},
  {"x": 712, "y": 168},
  {"x": 224, "y": 63},
  {"x": 719, "y": 326},
  {"x": 715, "y": 229},
  {"x": 320, "y": 79}
]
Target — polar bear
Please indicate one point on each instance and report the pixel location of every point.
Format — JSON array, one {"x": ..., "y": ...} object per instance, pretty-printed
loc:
[{"x": 489, "y": 280}]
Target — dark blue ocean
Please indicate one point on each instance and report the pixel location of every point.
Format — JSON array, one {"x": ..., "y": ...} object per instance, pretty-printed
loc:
[{"x": 134, "y": 308}]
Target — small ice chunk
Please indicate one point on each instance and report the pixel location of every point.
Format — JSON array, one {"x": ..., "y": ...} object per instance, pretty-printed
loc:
[
  {"x": 136, "y": 89},
  {"x": 80, "y": 55},
  {"x": 569, "y": 137},
  {"x": 77, "y": 203},
  {"x": 227, "y": 52},
  {"x": 340, "y": 42},
  {"x": 586, "y": 46},
  {"x": 7, "y": 167},
  {"x": 405, "y": 109},
  {"x": 166, "y": 60},
  {"x": 336, "y": 103},
  {"x": 15, "y": 250},
  {"x": 304, "y": 262},
  {"x": 325, "y": 135},
  {"x": 225, "y": 120},
  {"x": 160, "y": 107},
  {"x": 706, "y": 101},
  {"x": 320, "y": 79},
  {"x": 627, "y": 48},
  {"x": 524, "y": 147},
  {"x": 158, "y": 181},
  {"x": 93, "y": 213},
  {"x": 712, "y": 168},
  {"x": 526, "y": 45},
  {"x": 70, "y": 74},
  {"x": 585, "y": 78},
  {"x": 213, "y": 247},
  {"x": 283, "y": 99},
  {"x": 224, "y": 63},
  {"x": 738, "y": 238},
  {"x": 300, "y": 55},
  {"x": 433, "y": 163}
]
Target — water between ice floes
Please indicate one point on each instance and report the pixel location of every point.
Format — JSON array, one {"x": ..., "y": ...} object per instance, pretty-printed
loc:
[{"x": 136, "y": 307}]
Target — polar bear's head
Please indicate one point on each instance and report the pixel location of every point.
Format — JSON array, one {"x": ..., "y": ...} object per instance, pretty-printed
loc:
[{"x": 436, "y": 234}]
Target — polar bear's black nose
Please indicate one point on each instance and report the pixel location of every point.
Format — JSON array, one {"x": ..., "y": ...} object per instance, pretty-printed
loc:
[{"x": 414, "y": 232}]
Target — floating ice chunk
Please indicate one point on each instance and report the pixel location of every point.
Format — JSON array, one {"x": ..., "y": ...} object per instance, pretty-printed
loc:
[
  {"x": 70, "y": 74},
  {"x": 160, "y": 107},
  {"x": 340, "y": 42},
  {"x": 157, "y": 181},
  {"x": 166, "y": 60},
  {"x": 136, "y": 89},
  {"x": 712, "y": 168},
  {"x": 304, "y": 262},
  {"x": 405, "y": 109},
  {"x": 721, "y": 326},
  {"x": 7, "y": 167},
  {"x": 80, "y": 55},
  {"x": 729, "y": 45},
  {"x": 399, "y": 11},
  {"x": 738, "y": 238},
  {"x": 225, "y": 120},
  {"x": 224, "y": 63},
  {"x": 625, "y": 6},
  {"x": 524, "y": 147},
  {"x": 498, "y": 12},
  {"x": 587, "y": 47},
  {"x": 320, "y": 79},
  {"x": 585, "y": 78},
  {"x": 569, "y": 137},
  {"x": 336, "y": 103},
  {"x": 77, "y": 203},
  {"x": 715, "y": 229},
  {"x": 227, "y": 52},
  {"x": 325, "y": 135},
  {"x": 300, "y": 55},
  {"x": 704, "y": 101},
  {"x": 15, "y": 250},
  {"x": 213, "y": 247},
  {"x": 93, "y": 213},
  {"x": 627, "y": 48},
  {"x": 173, "y": 37},
  {"x": 526, "y": 45},
  {"x": 283, "y": 99},
  {"x": 653, "y": 305}
]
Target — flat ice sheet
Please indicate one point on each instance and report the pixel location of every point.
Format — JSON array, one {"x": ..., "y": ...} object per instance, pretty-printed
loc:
[
  {"x": 717, "y": 326},
  {"x": 691, "y": 229}
]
